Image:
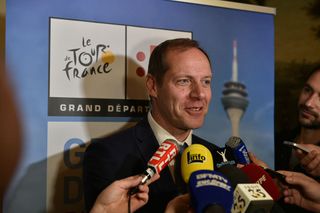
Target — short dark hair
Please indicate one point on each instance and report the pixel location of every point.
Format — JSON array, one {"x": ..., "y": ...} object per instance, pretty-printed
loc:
[
  {"x": 157, "y": 62},
  {"x": 315, "y": 68}
]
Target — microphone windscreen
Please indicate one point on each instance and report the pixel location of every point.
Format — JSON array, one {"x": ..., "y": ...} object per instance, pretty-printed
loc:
[
  {"x": 239, "y": 150},
  {"x": 160, "y": 159},
  {"x": 195, "y": 157},
  {"x": 258, "y": 175},
  {"x": 234, "y": 174},
  {"x": 210, "y": 189},
  {"x": 163, "y": 156}
]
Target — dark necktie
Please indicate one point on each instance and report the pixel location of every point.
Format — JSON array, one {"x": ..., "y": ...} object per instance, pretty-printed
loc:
[{"x": 181, "y": 185}]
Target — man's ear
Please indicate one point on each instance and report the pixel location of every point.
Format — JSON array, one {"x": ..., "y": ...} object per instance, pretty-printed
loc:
[{"x": 151, "y": 86}]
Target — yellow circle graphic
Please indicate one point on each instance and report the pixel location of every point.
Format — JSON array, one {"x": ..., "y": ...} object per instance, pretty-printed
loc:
[{"x": 108, "y": 57}]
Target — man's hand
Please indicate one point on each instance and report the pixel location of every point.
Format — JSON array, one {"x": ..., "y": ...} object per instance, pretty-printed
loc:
[
  {"x": 180, "y": 204},
  {"x": 311, "y": 161},
  {"x": 302, "y": 191},
  {"x": 114, "y": 198},
  {"x": 257, "y": 161}
]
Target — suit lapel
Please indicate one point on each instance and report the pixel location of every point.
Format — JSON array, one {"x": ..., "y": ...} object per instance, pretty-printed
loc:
[
  {"x": 146, "y": 141},
  {"x": 148, "y": 145}
]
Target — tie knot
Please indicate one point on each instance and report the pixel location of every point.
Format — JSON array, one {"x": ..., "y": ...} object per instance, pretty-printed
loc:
[{"x": 182, "y": 147}]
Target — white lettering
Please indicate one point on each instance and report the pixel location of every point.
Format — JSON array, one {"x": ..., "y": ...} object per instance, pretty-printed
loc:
[
  {"x": 79, "y": 108},
  {"x": 261, "y": 179},
  {"x": 132, "y": 109},
  {"x": 118, "y": 108},
  {"x": 63, "y": 107},
  {"x": 125, "y": 108},
  {"x": 110, "y": 108}
]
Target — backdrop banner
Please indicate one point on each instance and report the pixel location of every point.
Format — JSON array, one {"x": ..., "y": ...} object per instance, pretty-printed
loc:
[{"x": 79, "y": 71}]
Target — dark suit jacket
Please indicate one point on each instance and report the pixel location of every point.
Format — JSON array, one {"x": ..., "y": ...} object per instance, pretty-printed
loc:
[{"x": 125, "y": 154}]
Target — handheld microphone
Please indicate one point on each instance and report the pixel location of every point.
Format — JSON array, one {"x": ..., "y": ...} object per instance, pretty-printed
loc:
[
  {"x": 251, "y": 198},
  {"x": 195, "y": 157},
  {"x": 210, "y": 190},
  {"x": 259, "y": 175},
  {"x": 239, "y": 150},
  {"x": 160, "y": 159}
]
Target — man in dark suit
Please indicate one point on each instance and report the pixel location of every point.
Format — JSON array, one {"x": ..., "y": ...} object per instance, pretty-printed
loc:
[{"x": 179, "y": 86}]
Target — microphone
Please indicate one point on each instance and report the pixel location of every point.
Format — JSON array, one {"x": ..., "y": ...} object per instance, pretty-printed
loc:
[
  {"x": 160, "y": 159},
  {"x": 222, "y": 157},
  {"x": 239, "y": 150},
  {"x": 195, "y": 157},
  {"x": 251, "y": 198},
  {"x": 258, "y": 175},
  {"x": 234, "y": 174},
  {"x": 210, "y": 191}
]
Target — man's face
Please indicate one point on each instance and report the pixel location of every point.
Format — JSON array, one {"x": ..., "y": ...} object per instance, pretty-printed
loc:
[
  {"x": 182, "y": 101},
  {"x": 309, "y": 103}
]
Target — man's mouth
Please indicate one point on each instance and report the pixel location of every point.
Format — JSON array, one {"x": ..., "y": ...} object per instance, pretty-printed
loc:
[
  {"x": 195, "y": 109},
  {"x": 306, "y": 112}
]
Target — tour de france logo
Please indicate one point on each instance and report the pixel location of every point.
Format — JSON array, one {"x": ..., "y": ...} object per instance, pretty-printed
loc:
[{"x": 88, "y": 59}]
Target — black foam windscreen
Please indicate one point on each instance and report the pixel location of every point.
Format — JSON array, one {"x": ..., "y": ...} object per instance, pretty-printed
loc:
[{"x": 234, "y": 174}]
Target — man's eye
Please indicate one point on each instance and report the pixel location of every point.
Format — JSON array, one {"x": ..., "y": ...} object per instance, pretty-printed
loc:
[
  {"x": 207, "y": 82},
  {"x": 307, "y": 89},
  {"x": 183, "y": 81}
]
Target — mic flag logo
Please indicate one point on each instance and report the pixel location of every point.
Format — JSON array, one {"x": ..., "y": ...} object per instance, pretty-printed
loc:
[
  {"x": 244, "y": 152},
  {"x": 210, "y": 178},
  {"x": 195, "y": 158},
  {"x": 251, "y": 198},
  {"x": 162, "y": 157},
  {"x": 223, "y": 157}
]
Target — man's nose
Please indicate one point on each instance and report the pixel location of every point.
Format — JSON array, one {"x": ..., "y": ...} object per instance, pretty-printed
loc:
[
  {"x": 197, "y": 91},
  {"x": 312, "y": 100}
]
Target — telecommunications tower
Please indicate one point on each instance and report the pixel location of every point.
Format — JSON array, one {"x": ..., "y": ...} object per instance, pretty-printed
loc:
[{"x": 234, "y": 97}]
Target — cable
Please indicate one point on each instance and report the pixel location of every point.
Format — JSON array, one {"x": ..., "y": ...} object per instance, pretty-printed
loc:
[{"x": 129, "y": 203}]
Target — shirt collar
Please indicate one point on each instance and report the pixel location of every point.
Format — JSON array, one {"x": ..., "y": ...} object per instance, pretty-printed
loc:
[{"x": 161, "y": 134}]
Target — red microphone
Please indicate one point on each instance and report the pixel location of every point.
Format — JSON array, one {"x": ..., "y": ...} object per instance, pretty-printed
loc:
[
  {"x": 258, "y": 175},
  {"x": 161, "y": 158}
]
